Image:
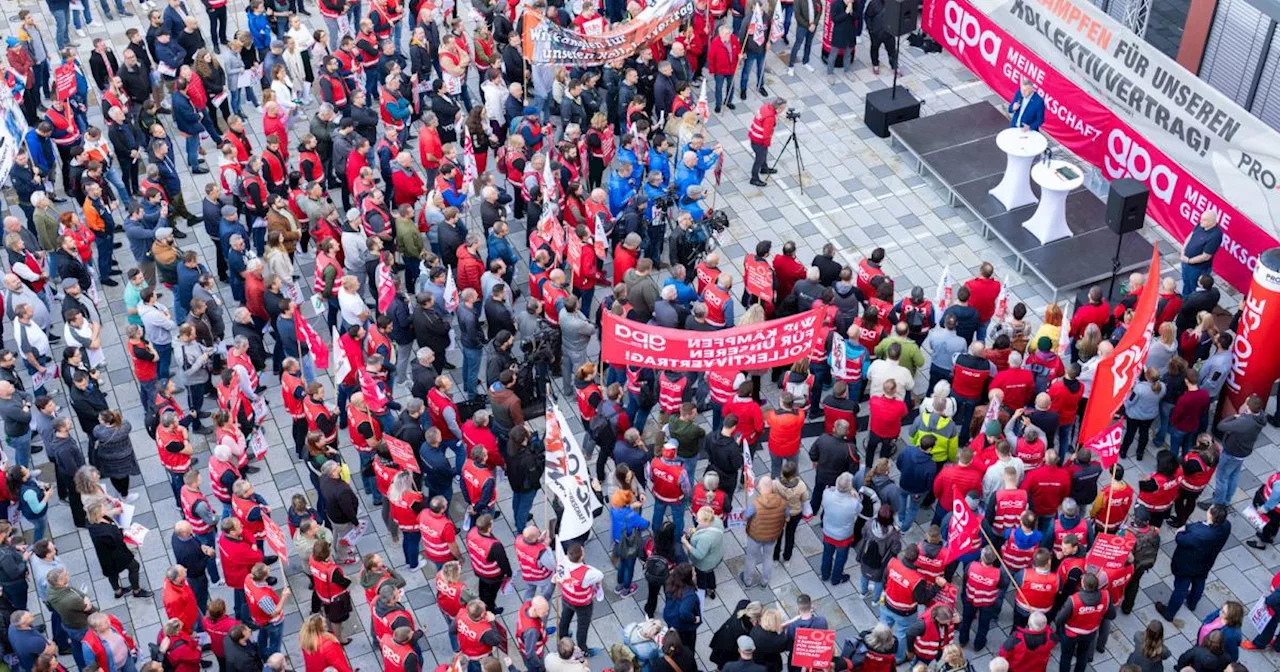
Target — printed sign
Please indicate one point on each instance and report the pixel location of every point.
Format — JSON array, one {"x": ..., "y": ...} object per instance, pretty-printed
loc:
[
  {"x": 813, "y": 648},
  {"x": 402, "y": 453},
  {"x": 546, "y": 43},
  {"x": 1110, "y": 552},
  {"x": 567, "y": 475},
  {"x": 274, "y": 537},
  {"x": 756, "y": 346}
]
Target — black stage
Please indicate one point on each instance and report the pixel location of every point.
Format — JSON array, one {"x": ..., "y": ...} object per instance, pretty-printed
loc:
[{"x": 959, "y": 148}]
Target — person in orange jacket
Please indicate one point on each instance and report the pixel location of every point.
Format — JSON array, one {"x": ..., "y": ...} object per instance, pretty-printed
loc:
[{"x": 784, "y": 425}]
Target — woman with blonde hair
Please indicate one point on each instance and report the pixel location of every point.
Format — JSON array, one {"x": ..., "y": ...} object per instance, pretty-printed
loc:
[
  {"x": 1086, "y": 346},
  {"x": 772, "y": 640},
  {"x": 88, "y": 482},
  {"x": 1196, "y": 343},
  {"x": 724, "y": 643},
  {"x": 1051, "y": 326},
  {"x": 320, "y": 649},
  {"x": 216, "y": 84},
  {"x": 1163, "y": 348},
  {"x": 951, "y": 660}
]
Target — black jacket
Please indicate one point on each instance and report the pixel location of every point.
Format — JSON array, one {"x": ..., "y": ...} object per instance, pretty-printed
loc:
[
  {"x": 340, "y": 501},
  {"x": 770, "y": 646},
  {"x": 828, "y": 269},
  {"x": 366, "y": 120},
  {"x": 1198, "y": 547},
  {"x": 242, "y": 658},
  {"x": 421, "y": 379},
  {"x": 525, "y": 467},
  {"x": 87, "y": 404},
  {"x": 724, "y": 643},
  {"x": 495, "y": 362},
  {"x": 257, "y": 350},
  {"x": 498, "y": 317},
  {"x": 832, "y": 457},
  {"x": 434, "y": 332},
  {"x": 108, "y": 542},
  {"x": 1197, "y": 301},
  {"x": 724, "y": 456}
]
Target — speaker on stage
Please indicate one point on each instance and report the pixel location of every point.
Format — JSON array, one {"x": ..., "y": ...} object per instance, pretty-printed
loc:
[
  {"x": 1126, "y": 205},
  {"x": 886, "y": 107},
  {"x": 902, "y": 16}
]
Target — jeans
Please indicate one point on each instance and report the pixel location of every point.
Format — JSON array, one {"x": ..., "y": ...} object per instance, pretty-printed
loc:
[
  {"x": 760, "y": 161},
  {"x": 834, "y": 56},
  {"x": 175, "y": 482},
  {"x": 192, "y": 143},
  {"x": 210, "y": 568},
  {"x": 38, "y": 526},
  {"x": 269, "y": 637},
  {"x": 21, "y": 446},
  {"x": 471, "y": 370},
  {"x": 1226, "y": 478},
  {"x": 876, "y": 588},
  {"x": 723, "y": 83},
  {"x": 240, "y": 607},
  {"x": 544, "y": 109},
  {"x": 690, "y": 468},
  {"x": 833, "y": 559},
  {"x": 331, "y": 27},
  {"x": 344, "y": 393},
  {"x": 1191, "y": 277},
  {"x": 165, "y": 352},
  {"x": 1077, "y": 647},
  {"x": 1185, "y": 589},
  {"x": 908, "y": 510},
  {"x": 410, "y": 542},
  {"x": 758, "y": 59},
  {"x": 17, "y": 592},
  {"x": 567, "y": 612},
  {"x": 61, "y": 22},
  {"x": 76, "y": 636},
  {"x": 106, "y": 9},
  {"x": 626, "y": 572},
  {"x": 899, "y": 623},
  {"x": 803, "y": 36},
  {"x": 521, "y": 506},
  {"x": 1178, "y": 441},
  {"x": 677, "y": 515},
  {"x": 1162, "y": 428},
  {"x": 147, "y": 394},
  {"x": 963, "y": 416},
  {"x": 59, "y": 633},
  {"x": 370, "y": 482}
]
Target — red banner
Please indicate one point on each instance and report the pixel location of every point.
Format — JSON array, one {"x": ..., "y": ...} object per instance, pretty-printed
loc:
[
  {"x": 402, "y": 453},
  {"x": 1109, "y": 552},
  {"x": 1118, "y": 371},
  {"x": 813, "y": 648},
  {"x": 963, "y": 532},
  {"x": 758, "y": 278},
  {"x": 1106, "y": 446},
  {"x": 756, "y": 346},
  {"x": 274, "y": 537},
  {"x": 386, "y": 288},
  {"x": 1095, "y": 133},
  {"x": 305, "y": 334},
  {"x": 1255, "y": 364}
]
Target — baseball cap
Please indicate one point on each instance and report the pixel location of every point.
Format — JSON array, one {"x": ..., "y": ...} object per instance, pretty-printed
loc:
[{"x": 745, "y": 643}]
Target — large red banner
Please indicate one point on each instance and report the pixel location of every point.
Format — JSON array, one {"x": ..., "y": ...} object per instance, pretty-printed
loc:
[
  {"x": 1096, "y": 134},
  {"x": 756, "y": 346},
  {"x": 964, "y": 530},
  {"x": 1118, "y": 371},
  {"x": 813, "y": 648}
]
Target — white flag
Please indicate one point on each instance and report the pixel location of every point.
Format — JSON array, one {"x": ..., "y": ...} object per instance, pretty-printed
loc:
[
  {"x": 341, "y": 365},
  {"x": 1002, "y": 301},
  {"x": 567, "y": 475},
  {"x": 942, "y": 296},
  {"x": 450, "y": 293}
]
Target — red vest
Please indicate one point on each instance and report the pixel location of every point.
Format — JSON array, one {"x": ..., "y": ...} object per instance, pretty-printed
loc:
[
  {"x": 317, "y": 167},
  {"x": 290, "y": 385},
  {"x": 1015, "y": 557},
  {"x": 551, "y": 295},
  {"x": 383, "y": 473},
  {"x": 382, "y": 621},
  {"x": 1115, "y": 508},
  {"x": 437, "y": 402},
  {"x": 95, "y": 642},
  {"x": 1024, "y": 659},
  {"x": 393, "y": 655},
  {"x": 758, "y": 278},
  {"x": 474, "y": 478},
  {"x": 981, "y": 584},
  {"x": 469, "y": 634},
  {"x": 1038, "y": 591},
  {"x": 323, "y": 261},
  {"x": 671, "y": 392},
  {"x": 715, "y": 299},
  {"x": 357, "y": 416},
  {"x": 1086, "y": 619},
  {"x": 1009, "y": 506},
  {"x": 434, "y": 528},
  {"x": 525, "y": 623},
  {"x": 705, "y": 276},
  {"x": 832, "y": 414},
  {"x": 276, "y": 166},
  {"x": 449, "y": 596},
  {"x": 935, "y": 637},
  {"x": 322, "y": 580},
  {"x": 720, "y": 385},
  {"x": 240, "y": 508},
  {"x": 584, "y": 394},
  {"x": 1081, "y": 530},
  {"x": 713, "y": 499},
  {"x": 1197, "y": 482},
  {"x": 900, "y": 585},
  {"x": 402, "y": 510},
  {"x": 255, "y": 594},
  {"x": 216, "y": 469},
  {"x": 666, "y": 480},
  {"x": 189, "y": 499},
  {"x": 865, "y": 273},
  {"x": 528, "y": 554},
  {"x": 174, "y": 462},
  {"x": 337, "y": 85},
  {"x": 316, "y": 410},
  {"x": 242, "y": 360},
  {"x": 1166, "y": 492},
  {"x": 930, "y": 567},
  {"x": 1117, "y": 580},
  {"x": 573, "y": 591},
  {"x": 478, "y": 547}
]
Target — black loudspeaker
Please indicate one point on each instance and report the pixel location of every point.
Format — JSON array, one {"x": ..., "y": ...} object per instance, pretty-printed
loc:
[
  {"x": 885, "y": 109},
  {"x": 901, "y": 16},
  {"x": 1126, "y": 205}
]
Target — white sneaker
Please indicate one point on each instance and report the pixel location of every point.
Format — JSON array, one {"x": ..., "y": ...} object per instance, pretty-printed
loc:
[
  {"x": 791, "y": 72},
  {"x": 80, "y": 32},
  {"x": 808, "y": 67}
]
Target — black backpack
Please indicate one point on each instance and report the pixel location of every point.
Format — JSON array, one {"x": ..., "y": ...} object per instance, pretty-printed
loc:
[{"x": 656, "y": 569}]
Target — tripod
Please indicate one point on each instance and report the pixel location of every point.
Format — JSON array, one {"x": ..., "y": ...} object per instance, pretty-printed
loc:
[{"x": 794, "y": 142}]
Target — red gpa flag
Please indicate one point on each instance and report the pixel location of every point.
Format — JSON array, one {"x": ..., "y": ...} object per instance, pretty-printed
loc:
[
  {"x": 813, "y": 648},
  {"x": 319, "y": 349},
  {"x": 374, "y": 397},
  {"x": 1109, "y": 552},
  {"x": 964, "y": 531},
  {"x": 1118, "y": 371},
  {"x": 1107, "y": 444},
  {"x": 402, "y": 453},
  {"x": 386, "y": 287},
  {"x": 757, "y": 346},
  {"x": 274, "y": 537}
]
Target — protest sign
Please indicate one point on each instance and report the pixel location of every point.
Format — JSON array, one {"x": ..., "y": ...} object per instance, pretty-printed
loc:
[
  {"x": 757, "y": 346},
  {"x": 813, "y": 648}
]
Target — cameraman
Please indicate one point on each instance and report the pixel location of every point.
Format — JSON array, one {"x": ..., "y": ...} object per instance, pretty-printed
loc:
[
  {"x": 761, "y": 136},
  {"x": 655, "y": 233},
  {"x": 687, "y": 243}
]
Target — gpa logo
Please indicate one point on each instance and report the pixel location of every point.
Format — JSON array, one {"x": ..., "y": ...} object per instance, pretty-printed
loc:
[
  {"x": 1126, "y": 158},
  {"x": 1128, "y": 365},
  {"x": 962, "y": 31},
  {"x": 641, "y": 338}
]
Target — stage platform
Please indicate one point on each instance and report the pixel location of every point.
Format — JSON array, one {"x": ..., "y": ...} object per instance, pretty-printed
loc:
[{"x": 959, "y": 148}]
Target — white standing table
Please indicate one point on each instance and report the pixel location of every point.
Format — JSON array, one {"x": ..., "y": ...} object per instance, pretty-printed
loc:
[
  {"x": 1049, "y": 223},
  {"x": 1021, "y": 146}
]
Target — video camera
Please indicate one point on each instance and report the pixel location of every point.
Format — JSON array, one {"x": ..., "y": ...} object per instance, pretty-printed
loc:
[
  {"x": 793, "y": 115},
  {"x": 667, "y": 200}
]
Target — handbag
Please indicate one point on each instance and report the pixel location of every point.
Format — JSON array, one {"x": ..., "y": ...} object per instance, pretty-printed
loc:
[{"x": 629, "y": 546}]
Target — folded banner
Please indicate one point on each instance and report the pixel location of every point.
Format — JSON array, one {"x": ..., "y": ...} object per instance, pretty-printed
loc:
[
  {"x": 1106, "y": 445},
  {"x": 274, "y": 537},
  {"x": 1118, "y": 371},
  {"x": 756, "y": 346},
  {"x": 546, "y": 43},
  {"x": 964, "y": 532},
  {"x": 567, "y": 476},
  {"x": 1193, "y": 149}
]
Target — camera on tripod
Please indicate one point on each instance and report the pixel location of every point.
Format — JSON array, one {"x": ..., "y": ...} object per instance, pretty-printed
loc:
[
  {"x": 793, "y": 115},
  {"x": 667, "y": 200}
]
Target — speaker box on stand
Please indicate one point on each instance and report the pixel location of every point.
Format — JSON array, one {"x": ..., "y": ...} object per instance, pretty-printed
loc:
[
  {"x": 1126, "y": 212},
  {"x": 887, "y": 107}
]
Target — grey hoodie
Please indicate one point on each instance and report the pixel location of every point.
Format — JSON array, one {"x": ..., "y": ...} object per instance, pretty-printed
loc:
[{"x": 1143, "y": 402}]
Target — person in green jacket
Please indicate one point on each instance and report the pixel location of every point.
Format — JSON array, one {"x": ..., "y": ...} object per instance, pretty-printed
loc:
[
  {"x": 935, "y": 422},
  {"x": 409, "y": 241},
  {"x": 912, "y": 357},
  {"x": 705, "y": 548}
]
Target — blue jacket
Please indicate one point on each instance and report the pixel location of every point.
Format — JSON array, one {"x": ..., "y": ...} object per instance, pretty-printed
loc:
[
  {"x": 260, "y": 29},
  {"x": 171, "y": 54},
  {"x": 624, "y": 519},
  {"x": 173, "y": 22},
  {"x": 168, "y": 171},
  {"x": 1030, "y": 115},
  {"x": 651, "y": 192},
  {"x": 686, "y": 176},
  {"x": 1198, "y": 547},
  {"x": 693, "y": 206},
  {"x": 620, "y": 191},
  {"x": 453, "y": 198},
  {"x": 226, "y": 229},
  {"x": 683, "y": 614},
  {"x": 187, "y": 280},
  {"x": 917, "y": 470},
  {"x": 500, "y": 248},
  {"x": 185, "y": 115},
  {"x": 42, "y": 152},
  {"x": 439, "y": 470},
  {"x": 685, "y": 294},
  {"x": 141, "y": 237},
  {"x": 629, "y": 155},
  {"x": 27, "y": 645},
  {"x": 660, "y": 163},
  {"x": 236, "y": 266}
]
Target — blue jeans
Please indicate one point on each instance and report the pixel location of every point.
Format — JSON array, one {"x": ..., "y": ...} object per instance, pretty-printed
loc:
[
  {"x": 175, "y": 482},
  {"x": 269, "y": 637},
  {"x": 848, "y": 67},
  {"x": 821, "y": 379},
  {"x": 1178, "y": 441},
  {"x": 62, "y": 22},
  {"x": 803, "y": 36},
  {"x": 76, "y": 636},
  {"x": 21, "y": 446},
  {"x": 1186, "y": 589},
  {"x": 1162, "y": 426},
  {"x": 192, "y": 143},
  {"x": 453, "y": 633},
  {"x": 459, "y": 453},
  {"x": 344, "y": 393},
  {"x": 370, "y": 482},
  {"x": 723, "y": 83},
  {"x": 1191, "y": 277},
  {"x": 165, "y": 352},
  {"x": 690, "y": 468},
  {"x": 38, "y": 526},
  {"x": 410, "y": 542},
  {"x": 877, "y": 587},
  {"x": 677, "y": 515},
  {"x": 471, "y": 370},
  {"x": 639, "y": 416},
  {"x": 521, "y": 505},
  {"x": 833, "y": 559},
  {"x": 788, "y": 11},
  {"x": 60, "y": 636},
  {"x": 106, "y": 9},
  {"x": 17, "y": 592},
  {"x": 908, "y": 509},
  {"x": 899, "y": 623},
  {"x": 758, "y": 59},
  {"x": 210, "y": 568},
  {"x": 541, "y": 102},
  {"x": 626, "y": 572},
  {"x": 240, "y": 605},
  {"x": 1226, "y": 478}
]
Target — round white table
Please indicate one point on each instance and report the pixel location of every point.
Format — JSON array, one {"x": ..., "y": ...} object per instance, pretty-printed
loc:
[
  {"x": 1049, "y": 223},
  {"x": 1021, "y": 146}
]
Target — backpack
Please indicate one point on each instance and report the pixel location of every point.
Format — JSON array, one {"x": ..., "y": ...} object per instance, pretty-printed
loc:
[
  {"x": 1145, "y": 551},
  {"x": 656, "y": 569},
  {"x": 872, "y": 553},
  {"x": 630, "y": 546}
]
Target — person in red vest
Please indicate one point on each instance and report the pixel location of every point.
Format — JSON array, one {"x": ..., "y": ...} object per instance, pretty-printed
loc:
[
  {"x": 398, "y": 654},
  {"x": 238, "y": 555},
  {"x": 266, "y": 609},
  {"x": 784, "y": 425},
  {"x": 479, "y": 487},
  {"x": 1157, "y": 492},
  {"x": 761, "y": 136},
  {"x": 293, "y": 392},
  {"x": 934, "y": 632},
  {"x": 439, "y": 535},
  {"x": 1079, "y": 621},
  {"x": 984, "y": 583},
  {"x": 329, "y": 587},
  {"x": 984, "y": 291},
  {"x": 578, "y": 590},
  {"x": 489, "y": 560},
  {"x": 1005, "y": 505},
  {"x": 174, "y": 445},
  {"x": 179, "y": 599},
  {"x": 1112, "y": 506},
  {"x": 537, "y": 562},
  {"x": 1029, "y": 647},
  {"x": 178, "y": 650},
  {"x": 478, "y": 633},
  {"x": 905, "y": 589},
  {"x": 405, "y": 505},
  {"x": 1039, "y": 589},
  {"x": 1198, "y": 467},
  {"x": 671, "y": 486},
  {"x": 217, "y": 624},
  {"x": 250, "y": 509},
  {"x": 390, "y": 614},
  {"x": 321, "y": 650},
  {"x": 531, "y": 632}
]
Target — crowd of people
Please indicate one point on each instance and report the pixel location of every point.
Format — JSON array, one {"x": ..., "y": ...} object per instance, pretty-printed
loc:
[{"x": 605, "y": 170}]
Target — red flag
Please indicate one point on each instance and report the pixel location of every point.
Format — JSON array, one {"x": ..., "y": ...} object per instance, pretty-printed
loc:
[
  {"x": 718, "y": 172},
  {"x": 305, "y": 334},
  {"x": 1107, "y": 444},
  {"x": 402, "y": 453},
  {"x": 386, "y": 287},
  {"x": 963, "y": 532},
  {"x": 274, "y": 537},
  {"x": 1118, "y": 371},
  {"x": 374, "y": 397}
]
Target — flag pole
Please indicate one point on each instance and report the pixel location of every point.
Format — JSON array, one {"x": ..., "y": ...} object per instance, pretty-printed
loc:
[{"x": 1005, "y": 567}]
